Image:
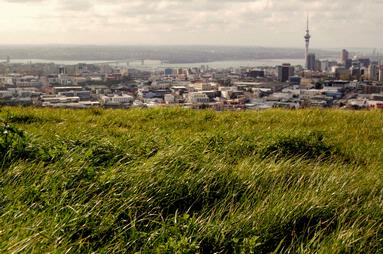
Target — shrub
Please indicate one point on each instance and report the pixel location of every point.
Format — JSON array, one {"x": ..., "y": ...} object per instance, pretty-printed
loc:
[
  {"x": 105, "y": 155},
  {"x": 307, "y": 146},
  {"x": 13, "y": 144},
  {"x": 24, "y": 119}
]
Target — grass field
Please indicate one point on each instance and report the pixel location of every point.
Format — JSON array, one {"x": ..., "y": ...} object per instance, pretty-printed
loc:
[{"x": 182, "y": 181}]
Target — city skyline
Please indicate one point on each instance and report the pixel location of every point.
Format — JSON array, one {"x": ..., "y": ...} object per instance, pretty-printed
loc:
[{"x": 199, "y": 22}]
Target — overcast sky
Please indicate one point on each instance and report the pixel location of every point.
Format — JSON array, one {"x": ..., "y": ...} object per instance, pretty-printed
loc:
[{"x": 270, "y": 23}]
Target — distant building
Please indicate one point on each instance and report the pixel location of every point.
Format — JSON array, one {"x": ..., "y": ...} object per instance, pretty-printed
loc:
[
  {"x": 295, "y": 80},
  {"x": 114, "y": 77},
  {"x": 169, "y": 99},
  {"x": 380, "y": 73},
  {"x": 62, "y": 70},
  {"x": 364, "y": 62},
  {"x": 373, "y": 72},
  {"x": 318, "y": 65},
  {"x": 168, "y": 72},
  {"x": 285, "y": 71},
  {"x": 83, "y": 95},
  {"x": 256, "y": 74},
  {"x": 6, "y": 94},
  {"x": 311, "y": 61},
  {"x": 61, "y": 89},
  {"x": 348, "y": 64},
  {"x": 355, "y": 63},
  {"x": 198, "y": 98},
  {"x": 355, "y": 72},
  {"x": 342, "y": 73},
  {"x": 181, "y": 71},
  {"x": 375, "y": 104},
  {"x": 202, "y": 86},
  {"x": 344, "y": 57},
  {"x": 325, "y": 65},
  {"x": 116, "y": 100},
  {"x": 28, "y": 81}
]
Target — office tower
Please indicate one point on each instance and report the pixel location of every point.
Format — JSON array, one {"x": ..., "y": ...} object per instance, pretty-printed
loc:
[
  {"x": 373, "y": 72},
  {"x": 348, "y": 64},
  {"x": 355, "y": 63},
  {"x": 325, "y": 65},
  {"x": 344, "y": 57},
  {"x": 62, "y": 70},
  {"x": 355, "y": 72},
  {"x": 318, "y": 65},
  {"x": 380, "y": 73},
  {"x": 341, "y": 73},
  {"x": 364, "y": 62},
  {"x": 285, "y": 71},
  {"x": 307, "y": 40},
  {"x": 311, "y": 62}
]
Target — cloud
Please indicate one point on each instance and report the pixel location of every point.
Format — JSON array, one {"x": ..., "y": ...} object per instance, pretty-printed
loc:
[
  {"x": 338, "y": 23},
  {"x": 24, "y": 1},
  {"x": 78, "y": 5}
]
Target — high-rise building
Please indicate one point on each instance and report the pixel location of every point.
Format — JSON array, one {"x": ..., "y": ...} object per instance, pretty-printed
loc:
[
  {"x": 355, "y": 72},
  {"x": 285, "y": 71},
  {"x": 372, "y": 73},
  {"x": 344, "y": 57},
  {"x": 325, "y": 65},
  {"x": 341, "y": 73},
  {"x": 364, "y": 62},
  {"x": 355, "y": 63},
  {"x": 307, "y": 40},
  {"x": 328, "y": 65},
  {"x": 348, "y": 64},
  {"x": 311, "y": 60},
  {"x": 62, "y": 70},
  {"x": 318, "y": 65},
  {"x": 380, "y": 73}
]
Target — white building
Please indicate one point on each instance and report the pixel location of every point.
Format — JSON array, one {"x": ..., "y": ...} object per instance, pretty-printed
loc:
[
  {"x": 202, "y": 86},
  {"x": 169, "y": 99},
  {"x": 198, "y": 98},
  {"x": 28, "y": 81},
  {"x": 117, "y": 99},
  {"x": 6, "y": 94},
  {"x": 48, "y": 100},
  {"x": 6, "y": 80}
]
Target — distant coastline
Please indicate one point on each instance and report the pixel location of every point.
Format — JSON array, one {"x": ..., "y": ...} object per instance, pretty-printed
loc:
[
  {"x": 157, "y": 64},
  {"x": 169, "y": 55}
]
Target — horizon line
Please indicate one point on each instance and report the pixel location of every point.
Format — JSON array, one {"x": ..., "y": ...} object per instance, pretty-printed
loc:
[{"x": 172, "y": 45}]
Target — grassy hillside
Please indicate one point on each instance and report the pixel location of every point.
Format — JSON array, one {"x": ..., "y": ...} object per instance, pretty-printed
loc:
[{"x": 181, "y": 181}]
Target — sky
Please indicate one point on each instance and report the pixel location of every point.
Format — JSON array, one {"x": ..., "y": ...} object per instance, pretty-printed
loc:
[{"x": 268, "y": 23}]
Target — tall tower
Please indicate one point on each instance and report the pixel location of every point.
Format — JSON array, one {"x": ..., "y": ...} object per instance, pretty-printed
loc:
[
  {"x": 307, "y": 40},
  {"x": 344, "y": 57}
]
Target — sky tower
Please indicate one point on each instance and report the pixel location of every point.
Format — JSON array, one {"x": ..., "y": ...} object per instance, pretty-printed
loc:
[{"x": 307, "y": 39}]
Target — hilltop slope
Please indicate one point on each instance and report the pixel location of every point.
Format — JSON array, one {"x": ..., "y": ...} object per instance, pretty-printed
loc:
[{"x": 168, "y": 180}]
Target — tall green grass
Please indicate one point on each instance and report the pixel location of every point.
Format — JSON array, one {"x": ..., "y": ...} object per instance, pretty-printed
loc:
[{"x": 182, "y": 181}]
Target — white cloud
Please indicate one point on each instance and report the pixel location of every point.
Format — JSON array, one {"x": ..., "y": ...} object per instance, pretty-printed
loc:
[{"x": 341, "y": 23}]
